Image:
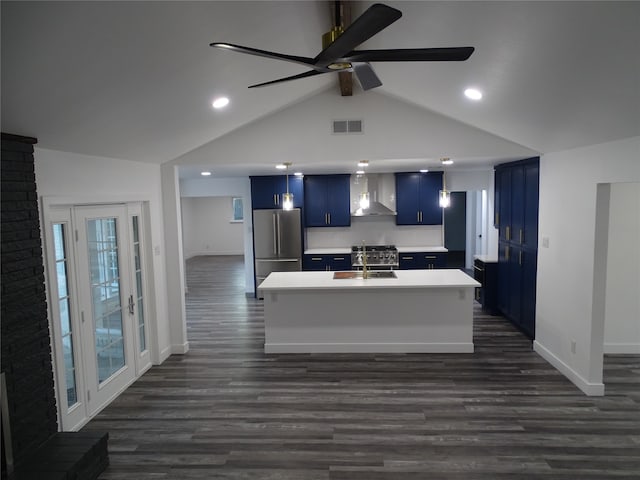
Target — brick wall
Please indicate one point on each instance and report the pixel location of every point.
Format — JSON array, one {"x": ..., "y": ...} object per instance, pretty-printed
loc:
[{"x": 26, "y": 351}]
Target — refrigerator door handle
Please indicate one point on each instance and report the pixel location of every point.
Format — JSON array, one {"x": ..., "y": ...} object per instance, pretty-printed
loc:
[
  {"x": 275, "y": 233},
  {"x": 279, "y": 234}
]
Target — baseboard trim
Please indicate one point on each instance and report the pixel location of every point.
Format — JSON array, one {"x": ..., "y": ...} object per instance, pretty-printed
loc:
[
  {"x": 368, "y": 348},
  {"x": 180, "y": 349},
  {"x": 590, "y": 389},
  {"x": 622, "y": 348},
  {"x": 164, "y": 354}
]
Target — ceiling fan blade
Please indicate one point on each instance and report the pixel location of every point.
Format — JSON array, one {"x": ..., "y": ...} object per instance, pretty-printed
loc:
[
  {"x": 453, "y": 54},
  {"x": 373, "y": 20},
  {"x": 366, "y": 76},
  {"x": 263, "y": 53},
  {"x": 310, "y": 73}
]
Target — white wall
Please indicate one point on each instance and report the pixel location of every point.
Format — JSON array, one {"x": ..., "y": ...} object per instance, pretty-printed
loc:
[
  {"x": 72, "y": 178},
  {"x": 228, "y": 187},
  {"x": 568, "y": 309},
  {"x": 622, "y": 305},
  {"x": 392, "y": 129},
  {"x": 208, "y": 229}
]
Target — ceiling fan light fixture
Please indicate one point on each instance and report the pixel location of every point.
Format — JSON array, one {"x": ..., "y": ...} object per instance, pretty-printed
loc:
[{"x": 473, "y": 94}]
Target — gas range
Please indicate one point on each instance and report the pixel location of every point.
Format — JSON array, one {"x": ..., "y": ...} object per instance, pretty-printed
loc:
[{"x": 379, "y": 257}]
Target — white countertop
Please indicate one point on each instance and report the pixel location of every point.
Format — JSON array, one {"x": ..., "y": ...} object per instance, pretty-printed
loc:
[
  {"x": 486, "y": 258},
  {"x": 444, "y": 278},
  {"x": 329, "y": 251},
  {"x": 422, "y": 248}
]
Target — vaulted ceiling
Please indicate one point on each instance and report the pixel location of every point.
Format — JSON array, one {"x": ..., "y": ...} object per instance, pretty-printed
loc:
[{"x": 135, "y": 80}]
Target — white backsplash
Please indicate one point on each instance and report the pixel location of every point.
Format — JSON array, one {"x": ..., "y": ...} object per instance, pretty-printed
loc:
[{"x": 374, "y": 231}]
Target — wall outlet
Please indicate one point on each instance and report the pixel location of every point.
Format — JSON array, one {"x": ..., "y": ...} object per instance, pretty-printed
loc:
[{"x": 573, "y": 346}]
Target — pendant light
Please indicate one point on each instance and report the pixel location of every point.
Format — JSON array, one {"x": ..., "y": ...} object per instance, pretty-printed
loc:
[
  {"x": 445, "y": 195},
  {"x": 287, "y": 198},
  {"x": 364, "y": 201}
]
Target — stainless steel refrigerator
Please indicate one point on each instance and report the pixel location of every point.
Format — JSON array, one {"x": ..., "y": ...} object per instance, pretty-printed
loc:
[{"x": 277, "y": 242}]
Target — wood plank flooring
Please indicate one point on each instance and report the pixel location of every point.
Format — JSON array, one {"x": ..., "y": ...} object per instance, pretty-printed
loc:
[{"x": 228, "y": 411}]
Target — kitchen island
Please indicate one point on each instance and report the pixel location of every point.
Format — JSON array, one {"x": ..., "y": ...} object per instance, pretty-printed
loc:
[{"x": 419, "y": 311}]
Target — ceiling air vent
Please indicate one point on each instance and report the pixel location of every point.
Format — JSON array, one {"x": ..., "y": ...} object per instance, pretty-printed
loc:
[{"x": 347, "y": 126}]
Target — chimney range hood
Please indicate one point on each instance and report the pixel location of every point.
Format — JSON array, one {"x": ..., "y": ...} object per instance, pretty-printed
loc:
[{"x": 381, "y": 190}]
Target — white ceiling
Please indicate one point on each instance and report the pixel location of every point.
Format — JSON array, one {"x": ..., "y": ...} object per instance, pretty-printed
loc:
[{"x": 135, "y": 80}]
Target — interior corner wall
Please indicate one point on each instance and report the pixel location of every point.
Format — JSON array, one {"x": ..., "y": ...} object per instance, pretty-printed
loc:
[
  {"x": 176, "y": 281},
  {"x": 622, "y": 304},
  {"x": 76, "y": 178},
  {"x": 565, "y": 281},
  {"x": 208, "y": 229}
]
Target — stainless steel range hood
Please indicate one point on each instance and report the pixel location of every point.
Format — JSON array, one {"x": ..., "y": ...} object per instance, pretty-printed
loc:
[{"x": 381, "y": 189}]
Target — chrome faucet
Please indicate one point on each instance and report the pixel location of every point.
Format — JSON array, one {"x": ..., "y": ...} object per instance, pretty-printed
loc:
[{"x": 364, "y": 262}]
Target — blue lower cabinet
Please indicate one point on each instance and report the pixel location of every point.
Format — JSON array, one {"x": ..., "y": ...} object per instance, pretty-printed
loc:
[
  {"x": 422, "y": 260},
  {"x": 326, "y": 262}
]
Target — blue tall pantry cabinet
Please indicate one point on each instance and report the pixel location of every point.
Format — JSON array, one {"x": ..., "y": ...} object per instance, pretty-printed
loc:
[{"x": 516, "y": 217}]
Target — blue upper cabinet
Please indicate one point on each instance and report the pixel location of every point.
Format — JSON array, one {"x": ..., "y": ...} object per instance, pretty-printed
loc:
[
  {"x": 417, "y": 198},
  {"x": 266, "y": 191},
  {"x": 327, "y": 201}
]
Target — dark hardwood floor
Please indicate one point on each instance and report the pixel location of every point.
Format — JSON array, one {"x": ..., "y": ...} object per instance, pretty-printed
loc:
[{"x": 228, "y": 411}]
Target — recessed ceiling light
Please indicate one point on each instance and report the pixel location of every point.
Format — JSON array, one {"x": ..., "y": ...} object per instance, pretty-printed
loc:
[
  {"x": 299, "y": 174},
  {"x": 424, "y": 170},
  {"x": 473, "y": 93},
  {"x": 220, "y": 102},
  {"x": 360, "y": 172},
  {"x": 446, "y": 161},
  {"x": 363, "y": 163},
  {"x": 205, "y": 174},
  {"x": 281, "y": 166}
]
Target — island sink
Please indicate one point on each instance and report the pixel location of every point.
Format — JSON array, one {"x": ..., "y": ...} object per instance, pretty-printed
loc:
[{"x": 355, "y": 274}]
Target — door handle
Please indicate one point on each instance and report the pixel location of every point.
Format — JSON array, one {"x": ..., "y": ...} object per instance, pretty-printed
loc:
[
  {"x": 275, "y": 234},
  {"x": 131, "y": 304}
]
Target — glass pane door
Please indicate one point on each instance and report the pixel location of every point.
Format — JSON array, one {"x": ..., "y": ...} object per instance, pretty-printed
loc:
[
  {"x": 102, "y": 243},
  {"x": 137, "y": 301},
  {"x": 104, "y": 274}
]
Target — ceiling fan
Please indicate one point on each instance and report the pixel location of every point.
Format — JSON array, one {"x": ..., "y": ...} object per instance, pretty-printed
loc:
[{"x": 340, "y": 55}]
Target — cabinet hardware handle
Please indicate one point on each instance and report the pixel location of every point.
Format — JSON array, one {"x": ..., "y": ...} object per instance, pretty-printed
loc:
[
  {"x": 507, "y": 232},
  {"x": 316, "y": 259},
  {"x": 521, "y": 235},
  {"x": 520, "y": 258},
  {"x": 418, "y": 216},
  {"x": 478, "y": 268},
  {"x": 338, "y": 258},
  {"x": 429, "y": 256},
  {"x": 506, "y": 253},
  {"x": 329, "y": 218}
]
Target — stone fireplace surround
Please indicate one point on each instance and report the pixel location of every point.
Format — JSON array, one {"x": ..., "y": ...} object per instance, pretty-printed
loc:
[{"x": 32, "y": 447}]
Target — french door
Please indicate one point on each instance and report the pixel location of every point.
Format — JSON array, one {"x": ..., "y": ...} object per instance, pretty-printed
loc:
[{"x": 96, "y": 273}]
